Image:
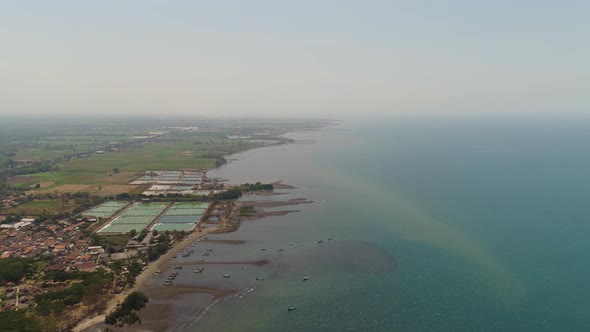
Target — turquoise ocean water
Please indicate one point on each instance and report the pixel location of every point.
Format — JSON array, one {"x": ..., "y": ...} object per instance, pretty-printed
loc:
[{"x": 437, "y": 225}]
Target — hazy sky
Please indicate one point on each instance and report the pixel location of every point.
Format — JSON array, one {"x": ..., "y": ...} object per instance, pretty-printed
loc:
[{"x": 286, "y": 58}]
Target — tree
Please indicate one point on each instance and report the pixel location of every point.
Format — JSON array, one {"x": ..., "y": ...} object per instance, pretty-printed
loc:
[
  {"x": 125, "y": 314},
  {"x": 116, "y": 170},
  {"x": 142, "y": 235},
  {"x": 14, "y": 268},
  {"x": 18, "y": 321},
  {"x": 116, "y": 266},
  {"x": 134, "y": 318},
  {"x": 96, "y": 240},
  {"x": 133, "y": 232},
  {"x": 135, "y": 268}
]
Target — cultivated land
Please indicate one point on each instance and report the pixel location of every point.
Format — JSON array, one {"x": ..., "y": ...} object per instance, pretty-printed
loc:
[
  {"x": 48, "y": 158},
  {"x": 40, "y": 207}
]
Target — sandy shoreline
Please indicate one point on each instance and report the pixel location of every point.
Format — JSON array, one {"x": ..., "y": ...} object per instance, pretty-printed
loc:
[
  {"x": 141, "y": 279},
  {"x": 259, "y": 211}
]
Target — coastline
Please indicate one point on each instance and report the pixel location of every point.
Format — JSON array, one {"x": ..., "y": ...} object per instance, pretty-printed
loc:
[
  {"x": 95, "y": 323},
  {"x": 88, "y": 323},
  {"x": 141, "y": 279}
]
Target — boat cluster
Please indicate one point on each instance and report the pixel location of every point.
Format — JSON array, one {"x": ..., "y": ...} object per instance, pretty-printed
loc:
[
  {"x": 187, "y": 253},
  {"x": 170, "y": 278}
]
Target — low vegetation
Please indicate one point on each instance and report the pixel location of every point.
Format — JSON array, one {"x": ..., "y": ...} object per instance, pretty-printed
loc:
[
  {"x": 247, "y": 209},
  {"x": 111, "y": 243},
  {"x": 19, "y": 321},
  {"x": 85, "y": 287},
  {"x": 13, "y": 269},
  {"x": 126, "y": 313}
]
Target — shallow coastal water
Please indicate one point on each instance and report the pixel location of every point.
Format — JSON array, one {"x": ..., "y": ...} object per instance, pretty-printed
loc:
[{"x": 478, "y": 225}]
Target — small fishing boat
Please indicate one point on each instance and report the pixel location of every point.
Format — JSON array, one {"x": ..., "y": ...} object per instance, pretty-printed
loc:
[
  {"x": 305, "y": 279},
  {"x": 259, "y": 278},
  {"x": 321, "y": 241},
  {"x": 291, "y": 308},
  {"x": 226, "y": 276}
]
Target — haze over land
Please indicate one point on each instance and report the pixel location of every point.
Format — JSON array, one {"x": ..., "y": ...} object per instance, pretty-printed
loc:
[
  {"x": 328, "y": 58},
  {"x": 313, "y": 165}
]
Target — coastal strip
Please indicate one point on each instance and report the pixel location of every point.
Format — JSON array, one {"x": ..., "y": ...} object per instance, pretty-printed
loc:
[{"x": 141, "y": 279}]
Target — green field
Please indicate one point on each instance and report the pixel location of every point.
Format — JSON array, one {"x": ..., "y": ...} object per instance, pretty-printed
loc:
[
  {"x": 40, "y": 207},
  {"x": 40, "y": 154},
  {"x": 98, "y": 168},
  {"x": 60, "y": 153}
]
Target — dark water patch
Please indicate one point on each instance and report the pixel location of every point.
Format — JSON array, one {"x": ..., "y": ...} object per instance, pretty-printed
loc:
[
  {"x": 171, "y": 292},
  {"x": 349, "y": 256}
]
